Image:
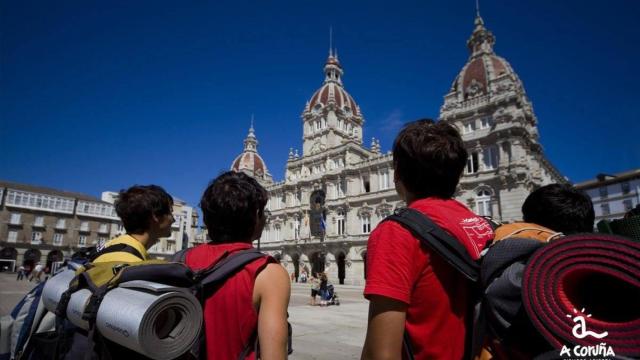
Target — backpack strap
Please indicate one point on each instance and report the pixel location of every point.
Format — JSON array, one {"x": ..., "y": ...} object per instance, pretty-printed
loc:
[
  {"x": 438, "y": 240},
  {"x": 181, "y": 256},
  {"x": 121, "y": 247},
  {"x": 226, "y": 267},
  {"x": 218, "y": 273}
]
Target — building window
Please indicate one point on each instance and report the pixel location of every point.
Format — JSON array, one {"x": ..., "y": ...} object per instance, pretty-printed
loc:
[
  {"x": 340, "y": 222},
  {"x": 103, "y": 228},
  {"x": 296, "y": 228},
  {"x": 366, "y": 184},
  {"x": 341, "y": 188},
  {"x": 603, "y": 191},
  {"x": 483, "y": 203},
  {"x": 101, "y": 241},
  {"x": 490, "y": 157},
  {"x": 625, "y": 187},
  {"x": 84, "y": 226},
  {"x": 277, "y": 233},
  {"x": 628, "y": 204},
  {"x": 36, "y": 238},
  {"x": 472, "y": 163},
  {"x": 469, "y": 127},
  {"x": 12, "y": 236},
  {"x": 384, "y": 179},
  {"x": 39, "y": 221},
  {"x": 15, "y": 219},
  {"x": 60, "y": 224},
  {"x": 605, "y": 209},
  {"x": 365, "y": 220},
  {"x": 57, "y": 239},
  {"x": 485, "y": 122},
  {"x": 82, "y": 240},
  {"x": 39, "y": 201}
]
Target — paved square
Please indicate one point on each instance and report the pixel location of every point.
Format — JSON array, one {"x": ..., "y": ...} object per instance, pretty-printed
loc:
[{"x": 332, "y": 332}]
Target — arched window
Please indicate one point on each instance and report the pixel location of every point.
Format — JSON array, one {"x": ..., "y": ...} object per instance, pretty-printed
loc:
[
  {"x": 340, "y": 222},
  {"x": 365, "y": 221},
  {"x": 277, "y": 233},
  {"x": 296, "y": 228},
  {"x": 483, "y": 203},
  {"x": 490, "y": 157}
]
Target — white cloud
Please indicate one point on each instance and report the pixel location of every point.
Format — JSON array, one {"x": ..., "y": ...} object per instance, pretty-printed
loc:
[{"x": 393, "y": 122}]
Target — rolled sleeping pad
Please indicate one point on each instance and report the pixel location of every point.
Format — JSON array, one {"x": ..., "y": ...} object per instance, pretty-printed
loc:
[
  {"x": 54, "y": 288},
  {"x": 155, "y": 320}
]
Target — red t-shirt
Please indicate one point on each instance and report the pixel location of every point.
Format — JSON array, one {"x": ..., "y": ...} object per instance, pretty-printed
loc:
[
  {"x": 229, "y": 315},
  {"x": 398, "y": 267}
]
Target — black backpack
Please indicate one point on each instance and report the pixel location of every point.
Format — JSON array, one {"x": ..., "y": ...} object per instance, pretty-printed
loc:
[
  {"x": 70, "y": 342},
  {"x": 496, "y": 281}
]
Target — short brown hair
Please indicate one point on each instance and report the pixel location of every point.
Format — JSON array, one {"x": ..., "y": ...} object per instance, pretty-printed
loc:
[
  {"x": 429, "y": 157},
  {"x": 231, "y": 206},
  {"x": 136, "y": 205}
]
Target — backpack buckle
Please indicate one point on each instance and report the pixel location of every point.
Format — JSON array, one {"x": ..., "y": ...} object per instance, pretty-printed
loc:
[{"x": 116, "y": 268}]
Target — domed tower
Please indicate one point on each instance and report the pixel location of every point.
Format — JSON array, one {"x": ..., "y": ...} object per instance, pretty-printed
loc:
[
  {"x": 250, "y": 162},
  {"x": 488, "y": 104},
  {"x": 331, "y": 117}
]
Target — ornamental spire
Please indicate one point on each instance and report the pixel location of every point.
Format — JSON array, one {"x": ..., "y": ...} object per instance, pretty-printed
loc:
[
  {"x": 332, "y": 69},
  {"x": 251, "y": 142},
  {"x": 481, "y": 40}
]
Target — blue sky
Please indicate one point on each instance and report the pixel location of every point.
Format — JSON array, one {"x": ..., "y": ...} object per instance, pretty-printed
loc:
[{"x": 98, "y": 96}]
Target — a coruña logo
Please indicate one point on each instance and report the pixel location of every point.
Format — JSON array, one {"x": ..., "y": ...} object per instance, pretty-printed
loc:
[{"x": 580, "y": 331}]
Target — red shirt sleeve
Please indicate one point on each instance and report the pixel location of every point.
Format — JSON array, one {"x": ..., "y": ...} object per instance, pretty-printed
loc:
[{"x": 394, "y": 262}]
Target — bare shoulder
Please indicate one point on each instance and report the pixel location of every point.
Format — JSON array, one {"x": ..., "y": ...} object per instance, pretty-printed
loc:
[
  {"x": 274, "y": 274},
  {"x": 273, "y": 279}
]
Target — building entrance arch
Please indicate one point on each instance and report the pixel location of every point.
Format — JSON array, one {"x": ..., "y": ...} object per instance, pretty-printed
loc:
[
  {"x": 54, "y": 256},
  {"x": 340, "y": 260},
  {"x": 31, "y": 258},
  {"x": 317, "y": 260},
  {"x": 9, "y": 253},
  {"x": 364, "y": 261},
  {"x": 295, "y": 259}
]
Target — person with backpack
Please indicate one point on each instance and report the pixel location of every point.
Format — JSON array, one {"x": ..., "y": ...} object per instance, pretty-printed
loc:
[
  {"x": 549, "y": 213},
  {"x": 419, "y": 305},
  {"x": 561, "y": 208},
  {"x": 251, "y": 304},
  {"x": 147, "y": 214}
]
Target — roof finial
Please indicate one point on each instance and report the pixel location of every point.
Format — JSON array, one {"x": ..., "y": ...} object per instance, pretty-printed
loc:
[
  {"x": 251, "y": 128},
  {"x": 477, "y": 8},
  {"x": 330, "y": 41}
]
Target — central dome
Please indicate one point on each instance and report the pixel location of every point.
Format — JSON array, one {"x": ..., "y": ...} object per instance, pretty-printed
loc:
[{"x": 332, "y": 90}]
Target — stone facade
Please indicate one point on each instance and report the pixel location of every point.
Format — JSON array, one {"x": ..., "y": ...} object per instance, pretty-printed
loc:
[
  {"x": 39, "y": 224},
  {"x": 45, "y": 225},
  {"x": 338, "y": 190},
  {"x": 613, "y": 195}
]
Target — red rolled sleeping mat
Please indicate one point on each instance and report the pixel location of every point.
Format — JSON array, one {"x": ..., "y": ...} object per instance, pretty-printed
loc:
[{"x": 585, "y": 290}]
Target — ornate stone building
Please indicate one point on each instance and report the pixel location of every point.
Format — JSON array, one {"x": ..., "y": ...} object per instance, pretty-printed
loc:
[{"x": 338, "y": 190}]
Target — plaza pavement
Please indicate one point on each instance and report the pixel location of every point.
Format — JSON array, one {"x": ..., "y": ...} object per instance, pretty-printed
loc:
[{"x": 319, "y": 333}]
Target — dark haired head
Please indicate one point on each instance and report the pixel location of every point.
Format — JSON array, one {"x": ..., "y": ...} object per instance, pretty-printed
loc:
[
  {"x": 428, "y": 158},
  {"x": 138, "y": 204},
  {"x": 232, "y": 208},
  {"x": 561, "y": 208}
]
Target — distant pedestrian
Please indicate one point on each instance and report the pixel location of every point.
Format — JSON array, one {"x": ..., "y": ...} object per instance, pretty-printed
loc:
[
  {"x": 21, "y": 272},
  {"x": 36, "y": 273}
]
